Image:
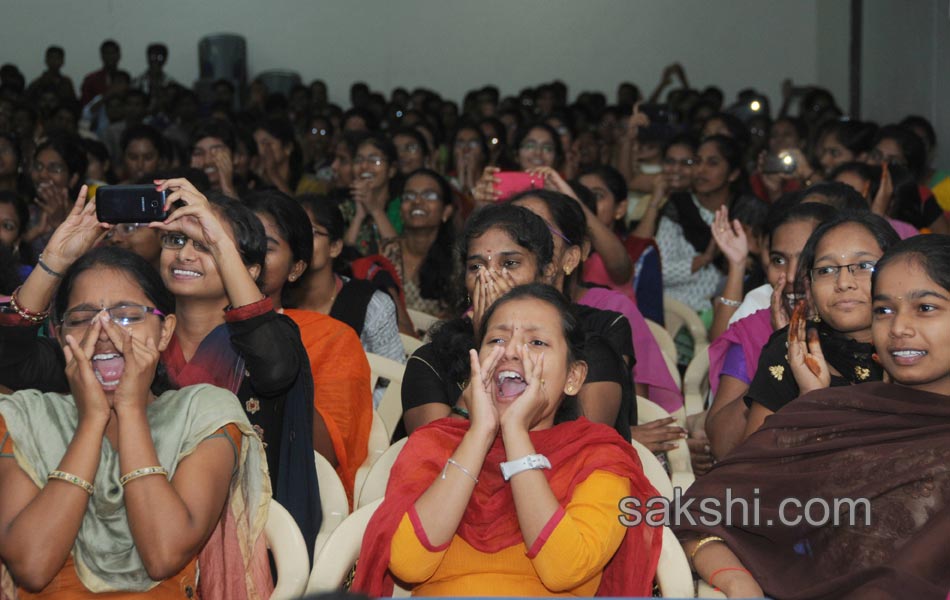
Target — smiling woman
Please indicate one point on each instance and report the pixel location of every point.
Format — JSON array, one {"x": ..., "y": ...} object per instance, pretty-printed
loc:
[
  {"x": 465, "y": 530},
  {"x": 834, "y": 270}
]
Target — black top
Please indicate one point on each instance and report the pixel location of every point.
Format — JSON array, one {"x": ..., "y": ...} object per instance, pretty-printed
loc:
[
  {"x": 773, "y": 385},
  {"x": 919, "y": 214},
  {"x": 426, "y": 379}
]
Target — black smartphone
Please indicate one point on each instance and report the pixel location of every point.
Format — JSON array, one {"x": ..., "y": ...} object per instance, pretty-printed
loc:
[
  {"x": 130, "y": 204},
  {"x": 657, "y": 113}
]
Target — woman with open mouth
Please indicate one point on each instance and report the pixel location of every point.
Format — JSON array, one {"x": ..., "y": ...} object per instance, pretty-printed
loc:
[
  {"x": 116, "y": 480},
  {"x": 884, "y": 445},
  {"x": 467, "y": 497}
]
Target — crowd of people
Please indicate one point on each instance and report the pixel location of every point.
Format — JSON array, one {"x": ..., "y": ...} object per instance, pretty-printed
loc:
[{"x": 161, "y": 381}]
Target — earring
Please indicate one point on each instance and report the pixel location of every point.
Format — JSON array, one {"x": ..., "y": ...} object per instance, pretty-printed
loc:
[
  {"x": 292, "y": 278},
  {"x": 570, "y": 390},
  {"x": 567, "y": 270},
  {"x": 816, "y": 318},
  {"x": 468, "y": 300}
]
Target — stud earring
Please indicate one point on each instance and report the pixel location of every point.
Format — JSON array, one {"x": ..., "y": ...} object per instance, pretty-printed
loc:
[
  {"x": 570, "y": 390},
  {"x": 816, "y": 318},
  {"x": 567, "y": 270}
]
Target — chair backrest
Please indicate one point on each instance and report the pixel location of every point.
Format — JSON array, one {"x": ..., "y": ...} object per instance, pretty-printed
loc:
[
  {"x": 374, "y": 486},
  {"x": 679, "y": 459},
  {"x": 378, "y": 444},
  {"x": 340, "y": 552},
  {"x": 333, "y": 501},
  {"x": 289, "y": 551},
  {"x": 390, "y": 406},
  {"x": 410, "y": 344},
  {"x": 667, "y": 347},
  {"x": 422, "y": 321},
  {"x": 676, "y": 314},
  {"x": 672, "y": 572},
  {"x": 696, "y": 381}
]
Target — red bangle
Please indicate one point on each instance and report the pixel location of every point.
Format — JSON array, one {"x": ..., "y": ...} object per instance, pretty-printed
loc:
[
  {"x": 28, "y": 315},
  {"x": 718, "y": 571}
]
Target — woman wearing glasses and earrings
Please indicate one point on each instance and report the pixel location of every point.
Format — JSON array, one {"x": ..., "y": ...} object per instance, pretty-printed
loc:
[
  {"x": 139, "y": 238},
  {"x": 832, "y": 347}
]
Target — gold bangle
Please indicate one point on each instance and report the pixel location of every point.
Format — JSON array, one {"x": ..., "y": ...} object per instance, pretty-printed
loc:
[
  {"x": 144, "y": 471},
  {"x": 73, "y": 479},
  {"x": 703, "y": 542}
]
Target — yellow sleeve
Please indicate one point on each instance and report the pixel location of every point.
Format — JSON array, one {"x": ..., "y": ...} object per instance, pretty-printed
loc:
[
  {"x": 412, "y": 558},
  {"x": 582, "y": 537}
]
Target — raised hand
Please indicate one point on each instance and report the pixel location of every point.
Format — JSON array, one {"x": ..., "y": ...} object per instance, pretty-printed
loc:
[
  {"x": 806, "y": 359},
  {"x": 730, "y": 237},
  {"x": 881, "y": 204},
  {"x": 527, "y": 408},
  {"x": 193, "y": 217},
  {"x": 778, "y": 307},
  {"x": 87, "y": 392},
  {"x": 485, "y": 192},
  {"x": 77, "y": 234},
  {"x": 224, "y": 163},
  {"x": 141, "y": 360},
  {"x": 478, "y": 396},
  {"x": 553, "y": 180},
  {"x": 637, "y": 120}
]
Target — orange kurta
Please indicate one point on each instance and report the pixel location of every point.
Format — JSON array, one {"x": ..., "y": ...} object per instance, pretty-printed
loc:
[
  {"x": 66, "y": 584},
  {"x": 567, "y": 559},
  {"x": 341, "y": 392}
]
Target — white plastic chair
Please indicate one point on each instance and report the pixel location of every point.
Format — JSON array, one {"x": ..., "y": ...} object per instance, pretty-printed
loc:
[
  {"x": 673, "y": 574},
  {"x": 390, "y": 407},
  {"x": 289, "y": 551},
  {"x": 677, "y": 315},
  {"x": 422, "y": 321},
  {"x": 333, "y": 500},
  {"x": 696, "y": 381},
  {"x": 668, "y": 348},
  {"x": 378, "y": 444},
  {"x": 409, "y": 343},
  {"x": 680, "y": 465},
  {"x": 374, "y": 485}
]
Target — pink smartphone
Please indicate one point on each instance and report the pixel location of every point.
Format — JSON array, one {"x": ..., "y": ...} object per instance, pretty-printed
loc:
[{"x": 513, "y": 182}]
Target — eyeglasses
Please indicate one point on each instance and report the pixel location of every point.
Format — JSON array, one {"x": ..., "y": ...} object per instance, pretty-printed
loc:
[
  {"x": 9, "y": 226},
  {"x": 533, "y": 146},
  {"x": 860, "y": 270},
  {"x": 122, "y": 315},
  {"x": 318, "y": 132},
  {"x": 408, "y": 148},
  {"x": 177, "y": 241},
  {"x": 317, "y": 232},
  {"x": 124, "y": 229},
  {"x": 52, "y": 168},
  {"x": 428, "y": 196},
  {"x": 877, "y": 156},
  {"x": 683, "y": 162},
  {"x": 373, "y": 160}
]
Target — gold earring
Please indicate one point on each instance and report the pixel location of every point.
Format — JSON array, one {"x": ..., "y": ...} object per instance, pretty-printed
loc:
[
  {"x": 570, "y": 390},
  {"x": 567, "y": 270}
]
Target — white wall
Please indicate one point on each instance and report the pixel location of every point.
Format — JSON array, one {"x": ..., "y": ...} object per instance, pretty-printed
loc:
[
  {"x": 449, "y": 45},
  {"x": 906, "y": 54}
]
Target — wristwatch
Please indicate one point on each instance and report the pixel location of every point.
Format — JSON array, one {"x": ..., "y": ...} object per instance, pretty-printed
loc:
[{"x": 532, "y": 461}]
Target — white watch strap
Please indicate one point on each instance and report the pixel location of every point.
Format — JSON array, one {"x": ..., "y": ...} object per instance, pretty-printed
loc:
[{"x": 532, "y": 461}]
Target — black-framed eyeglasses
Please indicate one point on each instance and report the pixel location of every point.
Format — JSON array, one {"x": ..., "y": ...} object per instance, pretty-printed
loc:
[
  {"x": 177, "y": 241},
  {"x": 862, "y": 270},
  {"x": 121, "y": 314}
]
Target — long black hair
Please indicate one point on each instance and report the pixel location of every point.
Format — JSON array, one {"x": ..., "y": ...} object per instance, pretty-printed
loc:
[{"x": 435, "y": 272}]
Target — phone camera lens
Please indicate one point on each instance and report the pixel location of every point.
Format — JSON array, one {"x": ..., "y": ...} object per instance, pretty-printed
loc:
[{"x": 154, "y": 203}]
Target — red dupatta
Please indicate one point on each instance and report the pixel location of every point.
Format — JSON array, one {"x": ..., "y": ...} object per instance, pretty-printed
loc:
[{"x": 576, "y": 449}]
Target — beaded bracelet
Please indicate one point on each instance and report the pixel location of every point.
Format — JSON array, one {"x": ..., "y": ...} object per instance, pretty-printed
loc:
[
  {"x": 158, "y": 470},
  {"x": 34, "y": 317},
  {"x": 73, "y": 479}
]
